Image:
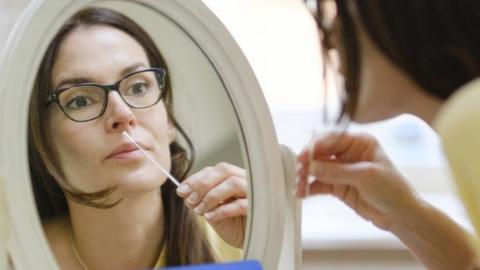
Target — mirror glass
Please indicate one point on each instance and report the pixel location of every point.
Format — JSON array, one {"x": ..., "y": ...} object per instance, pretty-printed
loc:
[{"x": 98, "y": 196}]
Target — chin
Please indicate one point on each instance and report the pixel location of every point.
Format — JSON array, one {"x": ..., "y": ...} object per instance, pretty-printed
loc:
[
  {"x": 141, "y": 182},
  {"x": 368, "y": 115}
]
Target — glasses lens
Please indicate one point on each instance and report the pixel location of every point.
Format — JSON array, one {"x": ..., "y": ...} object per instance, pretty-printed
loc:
[
  {"x": 82, "y": 103},
  {"x": 142, "y": 89}
]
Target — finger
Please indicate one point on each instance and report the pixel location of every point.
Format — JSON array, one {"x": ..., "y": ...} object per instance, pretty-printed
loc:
[
  {"x": 344, "y": 145},
  {"x": 304, "y": 179},
  {"x": 330, "y": 143},
  {"x": 233, "y": 209},
  {"x": 301, "y": 181},
  {"x": 317, "y": 187},
  {"x": 353, "y": 174},
  {"x": 314, "y": 188},
  {"x": 232, "y": 188},
  {"x": 300, "y": 187},
  {"x": 200, "y": 183},
  {"x": 231, "y": 169},
  {"x": 304, "y": 155},
  {"x": 307, "y": 154},
  {"x": 186, "y": 187},
  {"x": 302, "y": 169},
  {"x": 196, "y": 184}
]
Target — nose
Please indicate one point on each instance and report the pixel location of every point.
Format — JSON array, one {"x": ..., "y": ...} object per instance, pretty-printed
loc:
[{"x": 119, "y": 115}]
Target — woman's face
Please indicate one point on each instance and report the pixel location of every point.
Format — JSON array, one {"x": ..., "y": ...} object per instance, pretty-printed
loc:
[{"x": 89, "y": 151}]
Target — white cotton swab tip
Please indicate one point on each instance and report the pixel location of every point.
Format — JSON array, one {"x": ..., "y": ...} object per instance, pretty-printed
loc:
[{"x": 169, "y": 176}]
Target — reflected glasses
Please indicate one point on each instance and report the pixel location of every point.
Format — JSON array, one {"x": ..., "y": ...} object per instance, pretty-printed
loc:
[{"x": 88, "y": 101}]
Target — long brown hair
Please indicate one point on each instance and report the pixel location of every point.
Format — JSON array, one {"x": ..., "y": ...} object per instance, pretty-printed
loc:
[
  {"x": 434, "y": 42},
  {"x": 184, "y": 240}
]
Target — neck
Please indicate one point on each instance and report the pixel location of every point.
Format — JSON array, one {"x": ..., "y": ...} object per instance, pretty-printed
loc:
[
  {"x": 386, "y": 91},
  {"x": 127, "y": 236}
]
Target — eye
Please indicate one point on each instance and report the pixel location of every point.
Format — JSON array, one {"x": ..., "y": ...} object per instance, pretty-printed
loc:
[
  {"x": 79, "y": 102},
  {"x": 138, "y": 89},
  {"x": 81, "y": 97}
]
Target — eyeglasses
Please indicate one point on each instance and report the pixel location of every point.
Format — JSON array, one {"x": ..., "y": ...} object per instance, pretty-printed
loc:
[{"x": 88, "y": 101}]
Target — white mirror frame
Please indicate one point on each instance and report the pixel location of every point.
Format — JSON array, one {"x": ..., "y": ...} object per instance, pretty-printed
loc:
[{"x": 19, "y": 60}]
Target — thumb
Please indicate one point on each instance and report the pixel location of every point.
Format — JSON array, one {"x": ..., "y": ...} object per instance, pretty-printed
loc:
[{"x": 334, "y": 173}]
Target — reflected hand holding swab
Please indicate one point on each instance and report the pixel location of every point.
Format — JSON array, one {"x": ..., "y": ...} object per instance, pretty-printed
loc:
[{"x": 171, "y": 177}]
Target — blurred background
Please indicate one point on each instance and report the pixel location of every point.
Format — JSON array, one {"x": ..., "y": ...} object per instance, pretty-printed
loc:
[{"x": 279, "y": 39}]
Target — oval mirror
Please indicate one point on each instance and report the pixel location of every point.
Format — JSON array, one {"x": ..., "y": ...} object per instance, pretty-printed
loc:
[{"x": 97, "y": 92}]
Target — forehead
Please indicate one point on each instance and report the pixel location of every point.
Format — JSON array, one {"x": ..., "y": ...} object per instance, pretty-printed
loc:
[{"x": 99, "y": 52}]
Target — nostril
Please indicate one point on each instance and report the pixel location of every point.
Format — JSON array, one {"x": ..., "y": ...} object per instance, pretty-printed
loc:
[{"x": 115, "y": 125}]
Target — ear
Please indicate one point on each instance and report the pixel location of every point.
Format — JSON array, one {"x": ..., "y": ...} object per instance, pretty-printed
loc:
[{"x": 172, "y": 132}]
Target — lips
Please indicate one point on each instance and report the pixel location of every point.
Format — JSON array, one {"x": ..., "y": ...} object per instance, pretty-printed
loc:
[{"x": 124, "y": 149}]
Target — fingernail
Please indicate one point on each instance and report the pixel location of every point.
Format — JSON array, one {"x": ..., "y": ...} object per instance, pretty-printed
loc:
[
  {"x": 184, "y": 188},
  {"x": 209, "y": 215},
  {"x": 200, "y": 209},
  {"x": 193, "y": 198}
]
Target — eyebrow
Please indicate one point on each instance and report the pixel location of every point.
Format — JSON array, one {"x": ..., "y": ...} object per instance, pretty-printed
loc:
[
  {"x": 78, "y": 80},
  {"x": 132, "y": 68}
]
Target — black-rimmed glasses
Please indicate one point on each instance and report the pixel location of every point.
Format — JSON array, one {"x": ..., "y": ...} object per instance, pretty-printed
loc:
[{"x": 88, "y": 101}]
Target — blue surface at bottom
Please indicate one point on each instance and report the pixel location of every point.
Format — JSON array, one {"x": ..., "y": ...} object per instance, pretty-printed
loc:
[{"x": 244, "y": 265}]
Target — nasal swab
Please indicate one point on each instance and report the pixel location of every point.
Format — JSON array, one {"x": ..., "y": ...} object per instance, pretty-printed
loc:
[{"x": 171, "y": 177}]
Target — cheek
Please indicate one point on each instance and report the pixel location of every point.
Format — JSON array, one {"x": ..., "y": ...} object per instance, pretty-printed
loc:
[
  {"x": 73, "y": 147},
  {"x": 79, "y": 157},
  {"x": 72, "y": 143},
  {"x": 156, "y": 121}
]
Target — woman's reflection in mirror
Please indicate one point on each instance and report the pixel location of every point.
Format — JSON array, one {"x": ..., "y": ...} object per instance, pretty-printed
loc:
[{"x": 102, "y": 203}]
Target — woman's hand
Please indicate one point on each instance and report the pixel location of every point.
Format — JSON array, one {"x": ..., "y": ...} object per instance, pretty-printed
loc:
[
  {"x": 354, "y": 168},
  {"x": 219, "y": 193}
]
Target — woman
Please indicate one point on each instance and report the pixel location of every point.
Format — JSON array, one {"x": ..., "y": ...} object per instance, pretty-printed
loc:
[
  {"x": 102, "y": 203},
  {"x": 397, "y": 57}
]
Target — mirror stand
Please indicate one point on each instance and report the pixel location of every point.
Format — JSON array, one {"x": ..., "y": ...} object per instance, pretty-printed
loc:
[
  {"x": 291, "y": 253},
  {"x": 3, "y": 228}
]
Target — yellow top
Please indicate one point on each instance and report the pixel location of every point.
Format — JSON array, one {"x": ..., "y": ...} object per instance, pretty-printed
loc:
[
  {"x": 221, "y": 250},
  {"x": 458, "y": 125}
]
